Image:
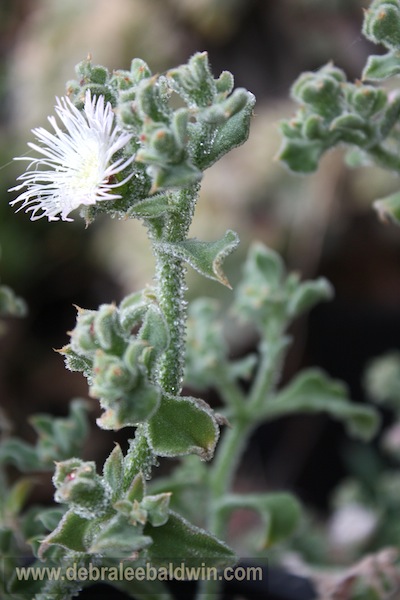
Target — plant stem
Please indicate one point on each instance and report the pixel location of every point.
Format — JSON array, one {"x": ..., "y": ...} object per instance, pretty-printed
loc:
[
  {"x": 272, "y": 354},
  {"x": 171, "y": 287},
  {"x": 223, "y": 468},
  {"x": 235, "y": 440}
]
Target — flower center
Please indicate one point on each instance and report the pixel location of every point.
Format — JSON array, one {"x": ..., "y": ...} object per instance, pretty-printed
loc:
[{"x": 85, "y": 176}]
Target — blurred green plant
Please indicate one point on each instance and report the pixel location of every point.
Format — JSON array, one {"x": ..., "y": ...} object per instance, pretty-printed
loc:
[{"x": 363, "y": 116}]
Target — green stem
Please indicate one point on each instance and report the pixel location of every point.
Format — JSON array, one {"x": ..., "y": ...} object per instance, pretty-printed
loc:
[
  {"x": 171, "y": 287},
  {"x": 223, "y": 469},
  {"x": 234, "y": 442},
  {"x": 272, "y": 354},
  {"x": 224, "y": 466}
]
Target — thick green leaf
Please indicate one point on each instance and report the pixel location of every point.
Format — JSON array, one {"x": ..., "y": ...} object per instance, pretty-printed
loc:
[
  {"x": 70, "y": 534},
  {"x": 382, "y": 67},
  {"x": 137, "y": 489},
  {"x": 17, "y": 452},
  {"x": 154, "y": 330},
  {"x": 178, "y": 541},
  {"x": 307, "y": 294},
  {"x": 119, "y": 538},
  {"x": 173, "y": 175},
  {"x": 152, "y": 207},
  {"x": 312, "y": 391},
  {"x": 157, "y": 508},
  {"x": 183, "y": 425},
  {"x": 301, "y": 156},
  {"x": 113, "y": 471},
  {"x": 204, "y": 257},
  {"x": 235, "y": 130}
]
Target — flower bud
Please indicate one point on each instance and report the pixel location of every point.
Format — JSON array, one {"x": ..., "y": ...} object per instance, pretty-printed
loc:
[
  {"x": 111, "y": 378},
  {"x": 382, "y": 23},
  {"x": 78, "y": 485}
]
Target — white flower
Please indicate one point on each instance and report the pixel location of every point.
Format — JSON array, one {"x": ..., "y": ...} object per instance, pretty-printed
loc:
[{"x": 75, "y": 166}]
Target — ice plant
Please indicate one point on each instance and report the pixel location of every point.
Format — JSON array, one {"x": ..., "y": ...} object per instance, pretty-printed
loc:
[
  {"x": 137, "y": 355},
  {"x": 77, "y": 164}
]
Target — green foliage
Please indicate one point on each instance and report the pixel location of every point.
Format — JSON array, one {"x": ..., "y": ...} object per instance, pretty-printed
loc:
[
  {"x": 181, "y": 426},
  {"x": 334, "y": 111},
  {"x": 120, "y": 365},
  {"x": 58, "y": 439},
  {"x": 382, "y": 23},
  {"x": 205, "y": 257},
  {"x": 133, "y": 354},
  {"x": 179, "y": 540},
  {"x": 269, "y": 297},
  {"x": 312, "y": 391},
  {"x": 174, "y": 146}
]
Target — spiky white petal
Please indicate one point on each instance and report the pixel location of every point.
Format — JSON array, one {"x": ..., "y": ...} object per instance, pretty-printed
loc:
[{"x": 75, "y": 166}]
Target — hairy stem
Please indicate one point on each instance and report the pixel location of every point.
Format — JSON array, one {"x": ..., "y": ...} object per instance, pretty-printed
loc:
[{"x": 171, "y": 287}]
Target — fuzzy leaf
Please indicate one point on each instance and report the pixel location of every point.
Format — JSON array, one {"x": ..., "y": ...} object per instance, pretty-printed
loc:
[
  {"x": 152, "y": 207},
  {"x": 19, "y": 453},
  {"x": 179, "y": 541},
  {"x": 382, "y": 67},
  {"x": 119, "y": 538},
  {"x": 172, "y": 175},
  {"x": 113, "y": 470},
  {"x": 157, "y": 507},
  {"x": 183, "y": 425},
  {"x": 204, "y": 257},
  {"x": 307, "y": 294},
  {"x": 352, "y": 128},
  {"x": 312, "y": 391},
  {"x": 261, "y": 296},
  {"x": 382, "y": 23},
  {"x": 301, "y": 156},
  {"x": 70, "y": 534},
  {"x": 154, "y": 330},
  {"x": 235, "y": 130},
  {"x": 137, "y": 489}
]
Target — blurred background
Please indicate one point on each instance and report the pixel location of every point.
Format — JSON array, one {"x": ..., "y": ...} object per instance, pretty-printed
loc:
[{"x": 322, "y": 224}]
